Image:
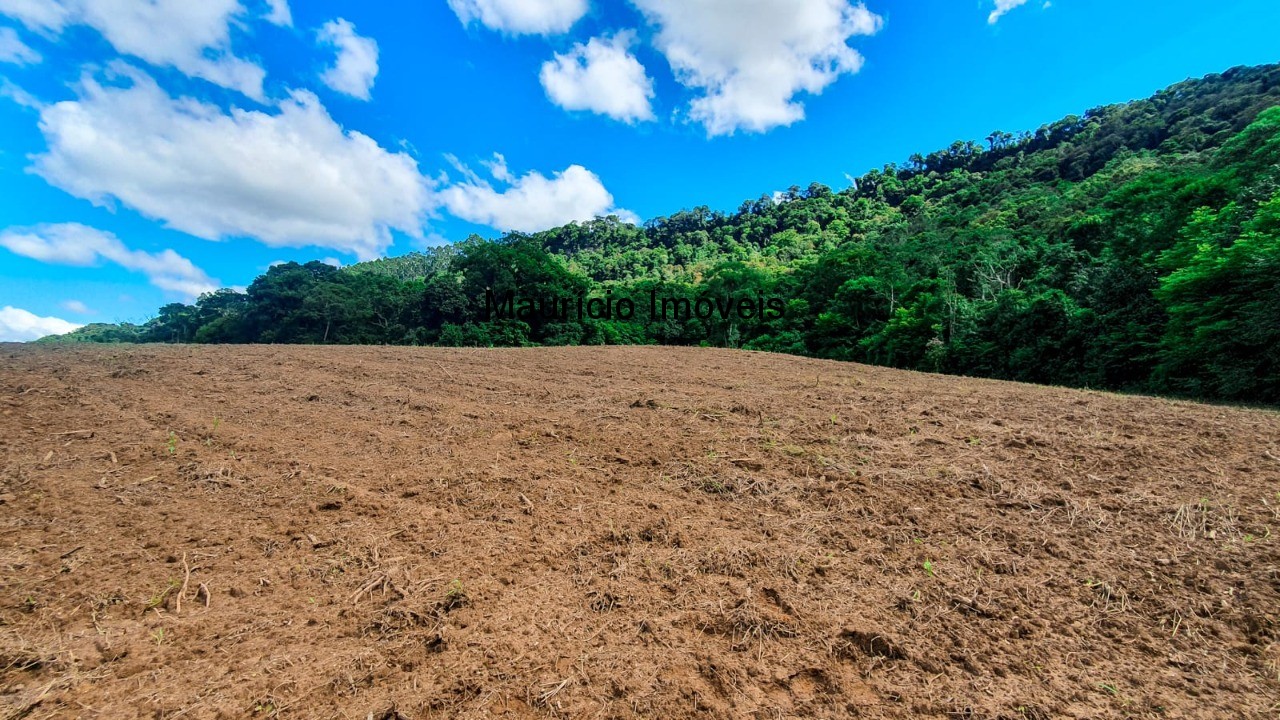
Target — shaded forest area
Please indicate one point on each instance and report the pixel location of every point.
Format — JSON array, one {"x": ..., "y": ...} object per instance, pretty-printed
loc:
[{"x": 1134, "y": 248}]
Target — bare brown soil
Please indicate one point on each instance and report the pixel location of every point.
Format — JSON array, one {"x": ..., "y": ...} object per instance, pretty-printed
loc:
[{"x": 219, "y": 532}]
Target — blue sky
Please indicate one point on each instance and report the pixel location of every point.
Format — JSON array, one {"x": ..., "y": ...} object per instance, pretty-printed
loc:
[{"x": 151, "y": 150}]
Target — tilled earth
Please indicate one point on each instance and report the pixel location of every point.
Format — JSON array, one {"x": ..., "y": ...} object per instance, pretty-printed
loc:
[{"x": 391, "y": 533}]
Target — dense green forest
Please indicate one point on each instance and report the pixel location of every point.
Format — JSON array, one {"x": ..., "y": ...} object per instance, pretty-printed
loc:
[{"x": 1134, "y": 248}]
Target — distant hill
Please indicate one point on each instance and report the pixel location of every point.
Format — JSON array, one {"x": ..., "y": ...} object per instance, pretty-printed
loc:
[{"x": 1135, "y": 247}]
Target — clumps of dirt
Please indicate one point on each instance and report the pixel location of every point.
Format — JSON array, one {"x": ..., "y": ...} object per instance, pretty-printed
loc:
[
  {"x": 409, "y": 533},
  {"x": 854, "y": 644},
  {"x": 748, "y": 622}
]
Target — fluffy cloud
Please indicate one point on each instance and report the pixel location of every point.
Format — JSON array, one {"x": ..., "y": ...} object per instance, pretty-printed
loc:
[
  {"x": 192, "y": 36},
  {"x": 531, "y": 202},
  {"x": 750, "y": 64},
  {"x": 18, "y": 95},
  {"x": 1002, "y": 7},
  {"x": 521, "y": 17},
  {"x": 13, "y": 50},
  {"x": 77, "y": 307},
  {"x": 75, "y": 244},
  {"x": 51, "y": 15},
  {"x": 278, "y": 13},
  {"x": 600, "y": 76},
  {"x": 289, "y": 178},
  {"x": 497, "y": 167},
  {"x": 18, "y": 325},
  {"x": 356, "y": 67}
]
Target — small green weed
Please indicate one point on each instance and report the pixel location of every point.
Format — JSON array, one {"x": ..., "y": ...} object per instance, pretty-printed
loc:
[
  {"x": 454, "y": 589},
  {"x": 208, "y": 440},
  {"x": 159, "y": 598}
]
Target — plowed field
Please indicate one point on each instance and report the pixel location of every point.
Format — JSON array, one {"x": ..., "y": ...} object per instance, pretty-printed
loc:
[{"x": 326, "y": 532}]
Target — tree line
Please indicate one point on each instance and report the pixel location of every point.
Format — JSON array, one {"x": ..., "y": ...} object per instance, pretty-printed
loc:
[{"x": 1134, "y": 248}]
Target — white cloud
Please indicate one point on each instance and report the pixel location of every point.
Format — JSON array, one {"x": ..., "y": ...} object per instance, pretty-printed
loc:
[
  {"x": 18, "y": 95},
  {"x": 18, "y": 325},
  {"x": 77, "y": 307},
  {"x": 75, "y": 244},
  {"x": 1004, "y": 6},
  {"x": 521, "y": 17},
  {"x": 50, "y": 15},
  {"x": 751, "y": 62},
  {"x": 278, "y": 13},
  {"x": 293, "y": 178},
  {"x": 356, "y": 66},
  {"x": 192, "y": 36},
  {"x": 13, "y": 50},
  {"x": 497, "y": 167},
  {"x": 533, "y": 201},
  {"x": 600, "y": 76}
]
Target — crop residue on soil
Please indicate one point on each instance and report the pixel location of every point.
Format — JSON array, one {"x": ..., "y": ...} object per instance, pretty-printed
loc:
[{"x": 302, "y": 532}]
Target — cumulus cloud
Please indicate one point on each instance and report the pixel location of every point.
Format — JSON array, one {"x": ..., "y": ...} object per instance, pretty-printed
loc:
[
  {"x": 521, "y": 17},
  {"x": 356, "y": 66},
  {"x": 13, "y": 50},
  {"x": 292, "y": 177},
  {"x": 497, "y": 167},
  {"x": 749, "y": 64},
  {"x": 18, "y": 95},
  {"x": 193, "y": 37},
  {"x": 600, "y": 76},
  {"x": 77, "y": 307},
  {"x": 533, "y": 201},
  {"x": 278, "y": 13},
  {"x": 49, "y": 15},
  {"x": 18, "y": 325},
  {"x": 75, "y": 244},
  {"x": 1002, "y": 7}
]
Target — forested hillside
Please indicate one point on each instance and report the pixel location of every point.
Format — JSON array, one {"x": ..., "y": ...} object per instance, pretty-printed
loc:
[{"x": 1134, "y": 248}]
